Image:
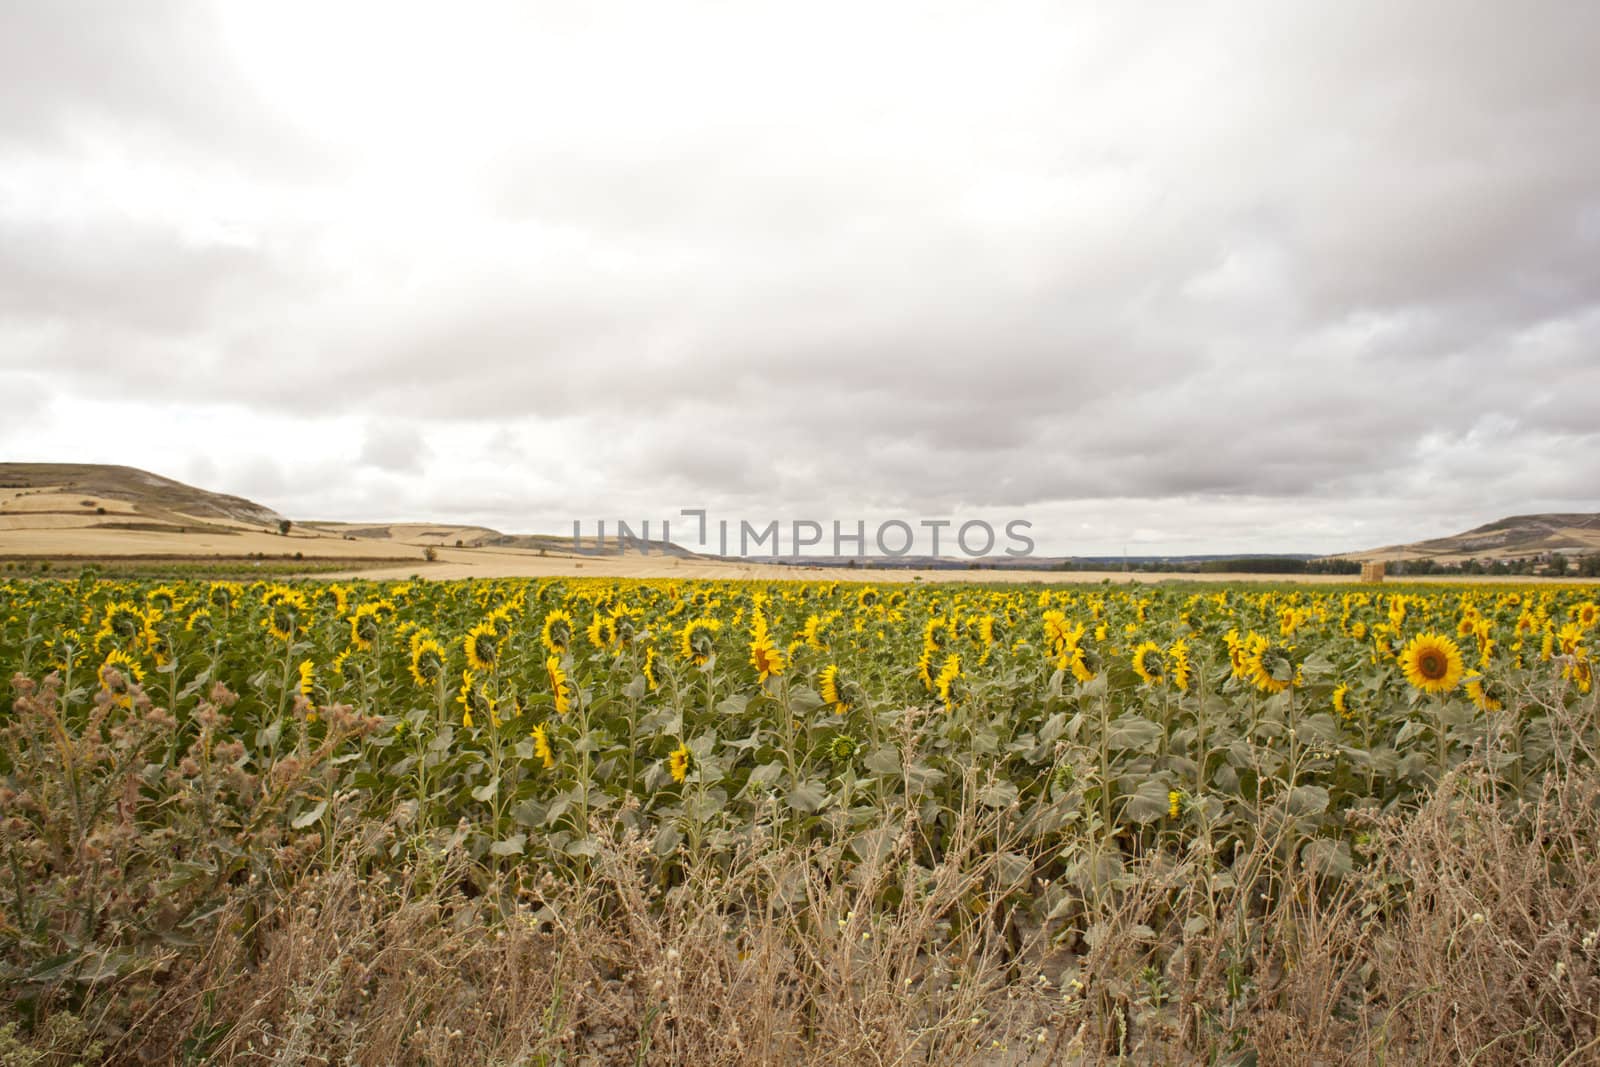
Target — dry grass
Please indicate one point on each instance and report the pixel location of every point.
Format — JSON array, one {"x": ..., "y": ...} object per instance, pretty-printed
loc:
[
  {"x": 1469, "y": 939},
  {"x": 1466, "y": 933}
]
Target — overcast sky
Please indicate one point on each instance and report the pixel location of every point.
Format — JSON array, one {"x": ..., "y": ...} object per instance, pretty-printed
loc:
[{"x": 1182, "y": 278}]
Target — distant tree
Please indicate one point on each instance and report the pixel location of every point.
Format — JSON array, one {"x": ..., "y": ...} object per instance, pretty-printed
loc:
[
  {"x": 283, "y": 527},
  {"x": 1589, "y": 566},
  {"x": 430, "y": 553},
  {"x": 1558, "y": 564}
]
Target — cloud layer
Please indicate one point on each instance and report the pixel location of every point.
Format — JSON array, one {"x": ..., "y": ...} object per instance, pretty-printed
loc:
[{"x": 1196, "y": 278}]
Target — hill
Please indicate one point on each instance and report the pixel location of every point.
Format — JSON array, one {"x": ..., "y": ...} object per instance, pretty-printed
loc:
[
  {"x": 1517, "y": 537},
  {"x": 101, "y": 512},
  {"x": 71, "y": 488}
]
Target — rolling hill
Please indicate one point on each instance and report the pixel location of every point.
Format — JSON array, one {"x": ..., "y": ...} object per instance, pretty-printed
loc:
[
  {"x": 103, "y": 511},
  {"x": 1517, "y": 537}
]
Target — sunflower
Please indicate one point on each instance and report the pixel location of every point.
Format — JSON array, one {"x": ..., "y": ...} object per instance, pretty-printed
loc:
[
  {"x": 1432, "y": 663},
  {"x": 1182, "y": 670},
  {"x": 602, "y": 632},
  {"x": 157, "y": 645},
  {"x": 1341, "y": 702},
  {"x": 122, "y": 624},
  {"x": 1057, "y": 632},
  {"x": 338, "y": 597},
  {"x": 1480, "y": 691},
  {"x": 626, "y": 624},
  {"x": 364, "y": 626},
  {"x": 697, "y": 640},
  {"x": 1149, "y": 664},
  {"x": 1586, "y": 614},
  {"x": 1268, "y": 666},
  {"x": 765, "y": 658},
  {"x": 307, "y": 678},
  {"x": 223, "y": 594},
  {"x": 1084, "y": 663},
  {"x": 482, "y": 644},
  {"x": 427, "y": 660},
  {"x": 828, "y": 682},
  {"x": 813, "y": 633},
  {"x": 560, "y": 684},
  {"x": 541, "y": 746},
  {"x": 926, "y": 671},
  {"x": 65, "y": 650},
  {"x": 500, "y": 619},
  {"x": 1569, "y": 639},
  {"x": 472, "y": 697},
  {"x": 557, "y": 632},
  {"x": 652, "y": 672},
  {"x": 345, "y": 667},
  {"x": 127, "y": 672},
  {"x": 286, "y": 614},
  {"x": 1580, "y": 673},
  {"x": 948, "y": 682},
  {"x": 678, "y": 763}
]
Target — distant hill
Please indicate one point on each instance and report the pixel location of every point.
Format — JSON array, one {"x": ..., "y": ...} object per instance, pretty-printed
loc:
[
  {"x": 73, "y": 486},
  {"x": 103, "y": 510},
  {"x": 1517, "y": 537}
]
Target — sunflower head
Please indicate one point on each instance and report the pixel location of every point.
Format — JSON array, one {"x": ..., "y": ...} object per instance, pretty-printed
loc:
[
  {"x": 678, "y": 763},
  {"x": 602, "y": 632},
  {"x": 482, "y": 645},
  {"x": 557, "y": 632},
  {"x": 766, "y": 659},
  {"x": 697, "y": 640},
  {"x": 828, "y": 683},
  {"x": 1341, "y": 702},
  {"x": 427, "y": 661},
  {"x": 345, "y": 667},
  {"x": 541, "y": 747},
  {"x": 948, "y": 682},
  {"x": 560, "y": 684},
  {"x": 1483, "y": 693},
  {"x": 119, "y": 672},
  {"x": 123, "y": 622},
  {"x": 1269, "y": 666},
  {"x": 1149, "y": 664},
  {"x": 364, "y": 626},
  {"x": 1432, "y": 663},
  {"x": 1182, "y": 670},
  {"x": 652, "y": 670}
]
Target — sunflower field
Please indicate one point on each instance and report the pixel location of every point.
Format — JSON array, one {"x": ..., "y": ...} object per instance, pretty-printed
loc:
[
  {"x": 525, "y": 722},
  {"x": 1115, "y": 717}
]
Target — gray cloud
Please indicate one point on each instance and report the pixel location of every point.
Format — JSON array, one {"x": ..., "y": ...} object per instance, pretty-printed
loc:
[
  {"x": 1341, "y": 262},
  {"x": 392, "y": 447}
]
